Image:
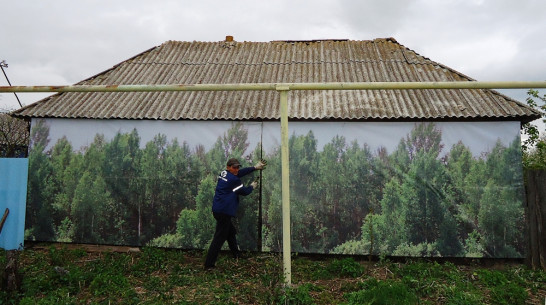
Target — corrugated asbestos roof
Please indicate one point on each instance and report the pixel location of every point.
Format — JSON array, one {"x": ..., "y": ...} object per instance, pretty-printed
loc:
[{"x": 381, "y": 60}]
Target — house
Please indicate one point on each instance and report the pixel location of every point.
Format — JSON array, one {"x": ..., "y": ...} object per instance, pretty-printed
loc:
[{"x": 397, "y": 172}]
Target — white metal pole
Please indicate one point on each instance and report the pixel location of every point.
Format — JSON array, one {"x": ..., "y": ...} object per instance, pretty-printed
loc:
[
  {"x": 273, "y": 86},
  {"x": 286, "y": 246}
]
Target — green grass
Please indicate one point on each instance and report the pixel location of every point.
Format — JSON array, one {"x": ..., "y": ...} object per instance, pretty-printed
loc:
[
  {"x": 383, "y": 292},
  {"x": 56, "y": 275}
]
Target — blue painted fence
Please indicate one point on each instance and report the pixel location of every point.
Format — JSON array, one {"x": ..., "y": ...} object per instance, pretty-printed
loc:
[{"x": 13, "y": 194}]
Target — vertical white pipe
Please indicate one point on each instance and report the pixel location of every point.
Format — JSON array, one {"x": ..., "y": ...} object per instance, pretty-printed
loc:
[{"x": 286, "y": 247}]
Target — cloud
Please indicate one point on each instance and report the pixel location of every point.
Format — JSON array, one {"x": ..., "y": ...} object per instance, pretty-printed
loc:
[
  {"x": 474, "y": 56},
  {"x": 67, "y": 41},
  {"x": 379, "y": 19}
]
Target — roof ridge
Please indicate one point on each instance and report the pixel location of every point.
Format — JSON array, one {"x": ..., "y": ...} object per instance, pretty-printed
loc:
[
  {"x": 312, "y": 61},
  {"x": 428, "y": 59}
]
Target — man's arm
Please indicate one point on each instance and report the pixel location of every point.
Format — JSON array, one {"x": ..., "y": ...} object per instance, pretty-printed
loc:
[
  {"x": 245, "y": 171},
  {"x": 243, "y": 190}
]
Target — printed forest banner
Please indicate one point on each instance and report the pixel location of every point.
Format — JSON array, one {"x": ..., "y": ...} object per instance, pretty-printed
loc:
[{"x": 451, "y": 189}]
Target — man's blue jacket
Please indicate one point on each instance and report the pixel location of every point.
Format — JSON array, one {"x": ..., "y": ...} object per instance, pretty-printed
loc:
[{"x": 228, "y": 189}]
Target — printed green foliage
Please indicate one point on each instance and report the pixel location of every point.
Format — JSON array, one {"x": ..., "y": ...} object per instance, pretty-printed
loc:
[
  {"x": 418, "y": 200},
  {"x": 40, "y": 187},
  {"x": 441, "y": 207}
]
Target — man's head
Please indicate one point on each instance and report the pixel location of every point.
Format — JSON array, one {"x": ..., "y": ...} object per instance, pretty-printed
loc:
[{"x": 233, "y": 166}]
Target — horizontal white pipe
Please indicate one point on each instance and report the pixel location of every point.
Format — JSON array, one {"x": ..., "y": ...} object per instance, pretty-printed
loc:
[{"x": 284, "y": 86}]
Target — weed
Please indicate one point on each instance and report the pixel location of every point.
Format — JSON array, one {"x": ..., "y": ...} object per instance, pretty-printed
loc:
[
  {"x": 105, "y": 284},
  {"x": 153, "y": 283},
  {"x": 460, "y": 297},
  {"x": 150, "y": 260},
  {"x": 346, "y": 267},
  {"x": 37, "y": 279},
  {"x": 154, "y": 258},
  {"x": 111, "y": 263},
  {"x": 383, "y": 292},
  {"x": 176, "y": 279},
  {"x": 510, "y": 294},
  {"x": 270, "y": 278},
  {"x": 72, "y": 278},
  {"x": 351, "y": 286},
  {"x": 298, "y": 295},
  {"x": 505, "y": 286},
  {"x": 534, "y": 279},
  {"x": 429, "y": 271},
  {"x": 112, "y": 287},
  {"x": 326, "y": 297},
  {"x": 60, "y": 296},
  {"x": 310, "y": 269},
  {"x": 3, "y": 262},
  {"x": 491, "y": 278},
  {"x": 435, "y": 281},
  {"x": 159, "y": 276},
  {"x": 56, "y": 256}
]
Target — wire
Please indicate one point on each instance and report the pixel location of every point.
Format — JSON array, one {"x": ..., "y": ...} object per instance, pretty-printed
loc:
[{"x": 2, "y": 65}]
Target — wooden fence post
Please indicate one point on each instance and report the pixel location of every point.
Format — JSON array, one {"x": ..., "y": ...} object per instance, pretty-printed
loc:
[{"x": 536, "y": 218}]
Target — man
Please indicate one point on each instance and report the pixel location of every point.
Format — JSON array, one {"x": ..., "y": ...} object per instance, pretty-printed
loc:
[{"x": 225, "y": 204}]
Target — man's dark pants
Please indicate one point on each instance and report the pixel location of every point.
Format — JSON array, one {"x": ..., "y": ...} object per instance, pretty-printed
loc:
[{"x": 224, "y": 231}]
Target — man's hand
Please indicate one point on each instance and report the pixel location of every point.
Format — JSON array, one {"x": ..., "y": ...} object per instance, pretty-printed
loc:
[
  {"x": 254, "y": 183},
  {"x": 261, "y": 164}
]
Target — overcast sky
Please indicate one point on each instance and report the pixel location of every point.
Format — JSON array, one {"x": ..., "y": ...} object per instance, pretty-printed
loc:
[{"x": 61, "y": 42}]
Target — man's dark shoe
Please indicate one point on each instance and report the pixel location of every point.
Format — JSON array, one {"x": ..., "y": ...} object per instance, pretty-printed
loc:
[
  {"x": 240, "y": 255},
  {"x": 209, "y": 268}
]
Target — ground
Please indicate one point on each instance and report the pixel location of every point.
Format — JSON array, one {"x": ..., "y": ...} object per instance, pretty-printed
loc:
[{"x": 79, "y": 274}]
